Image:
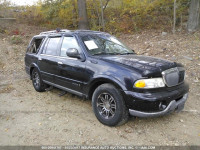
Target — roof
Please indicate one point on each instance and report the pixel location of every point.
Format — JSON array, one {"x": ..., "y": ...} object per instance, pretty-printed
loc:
[
  {"x": 55, "y": 32},
  {"x": 63, "y": 31}
]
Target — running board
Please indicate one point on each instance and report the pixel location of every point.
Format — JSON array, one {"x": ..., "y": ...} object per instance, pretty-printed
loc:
[
  {"x": 64, "y": 88},
  {"x": 62, "y": 93},
  {"x": 49, "y": 89}
]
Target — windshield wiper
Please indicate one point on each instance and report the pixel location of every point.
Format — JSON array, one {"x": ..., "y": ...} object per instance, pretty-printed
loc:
[
  {"x": 126, "y": 53},
  {"x": 103, "y": 53}
]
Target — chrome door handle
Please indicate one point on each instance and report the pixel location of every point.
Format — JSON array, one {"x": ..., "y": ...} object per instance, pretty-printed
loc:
[{"x": 60, "y": 63}]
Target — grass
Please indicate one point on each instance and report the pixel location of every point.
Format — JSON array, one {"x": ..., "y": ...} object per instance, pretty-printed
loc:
[{"x": 16, "y": 39}]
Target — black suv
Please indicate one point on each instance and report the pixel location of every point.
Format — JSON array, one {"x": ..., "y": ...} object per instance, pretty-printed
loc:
[{"x": 96, "y": 65}]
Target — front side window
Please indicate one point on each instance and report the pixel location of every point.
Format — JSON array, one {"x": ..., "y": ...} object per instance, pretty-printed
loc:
[
  {"x": 68, "y": 42},
  {"x": 52, "y": 46}
]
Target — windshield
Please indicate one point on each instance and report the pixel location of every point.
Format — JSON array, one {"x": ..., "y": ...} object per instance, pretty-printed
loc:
[{"x": 104, "y": 45}]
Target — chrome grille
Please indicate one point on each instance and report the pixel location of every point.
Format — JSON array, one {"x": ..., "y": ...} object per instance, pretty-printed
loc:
[{"x": 173, "y": 76}]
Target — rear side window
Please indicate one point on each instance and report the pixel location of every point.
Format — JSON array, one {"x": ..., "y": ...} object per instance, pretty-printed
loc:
[
  {"x": 68, "y": 42},
  {"x": 52, "y": 45},
  {"x": 35, "y": 45}
]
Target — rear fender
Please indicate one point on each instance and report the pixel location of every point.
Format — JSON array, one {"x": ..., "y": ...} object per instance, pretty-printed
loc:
[{"x": 32, "y": 66}]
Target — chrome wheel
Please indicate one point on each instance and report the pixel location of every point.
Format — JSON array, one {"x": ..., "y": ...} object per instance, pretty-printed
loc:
[
  {"x": 36, "y": 79},
  {"x": 106, "y": 105}
]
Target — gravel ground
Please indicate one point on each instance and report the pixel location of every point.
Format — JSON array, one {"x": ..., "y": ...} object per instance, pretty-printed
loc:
[{"x": 31, "y": 118}]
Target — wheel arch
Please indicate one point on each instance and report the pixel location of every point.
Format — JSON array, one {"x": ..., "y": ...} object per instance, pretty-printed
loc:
[
  {"x": 32, "y": 66},
  {"x": 102, "y": 80}
]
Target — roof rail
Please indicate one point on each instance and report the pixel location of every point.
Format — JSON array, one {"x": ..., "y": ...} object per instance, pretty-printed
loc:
[{"x": 55, "y": 31}]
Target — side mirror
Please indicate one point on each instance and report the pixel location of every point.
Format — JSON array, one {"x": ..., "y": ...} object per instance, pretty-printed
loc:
[{"x": 73, "y": 52}]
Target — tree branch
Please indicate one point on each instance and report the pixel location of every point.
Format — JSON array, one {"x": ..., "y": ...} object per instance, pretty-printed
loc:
[{"x": 105, "y": 5}]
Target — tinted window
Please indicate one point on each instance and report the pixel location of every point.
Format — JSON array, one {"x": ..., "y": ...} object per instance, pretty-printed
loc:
[
  {"x": 52, "y": 46},
  {"x": 68, "y": 42}
]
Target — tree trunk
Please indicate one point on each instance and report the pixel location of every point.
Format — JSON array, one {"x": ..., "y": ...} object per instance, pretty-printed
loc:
[
  {"x": 102, "y": 16},
  {"x": 82, "y": 15},
  {"x": 98, "y": 14},
  {"x": 194, "y": 16},
  {"x": 74, "y": 14},
  {"x": 174, "y": 25}
]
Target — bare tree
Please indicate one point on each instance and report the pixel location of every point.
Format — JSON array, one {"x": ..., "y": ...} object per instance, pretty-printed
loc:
[
  {"x": 103, "y": 7},
  {"x": 102, "y": 15},
  {"x": 174, "y": 25},
  {"x": 194, "y": 16},
  {"x": 82, "y": 15},
  {"x": 4, "y": 11},
  {"x": 74, "y": 14},
  {"x": 97, "y": 12}
]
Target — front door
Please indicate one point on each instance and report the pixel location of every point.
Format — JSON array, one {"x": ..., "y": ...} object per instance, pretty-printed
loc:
[{"x": 71, "y": 70}]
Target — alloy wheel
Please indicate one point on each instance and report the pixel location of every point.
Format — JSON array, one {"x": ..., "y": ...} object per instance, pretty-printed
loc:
[
  {"x": 106, "y": 105},
  {"x": 36, "y": 79}
]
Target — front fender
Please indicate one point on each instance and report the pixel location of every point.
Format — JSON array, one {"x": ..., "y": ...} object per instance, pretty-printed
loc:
[
  {"x": 112, "y": 80},
  {"x": 109, "y": 79},
  {"x": 101, "y": 79}
]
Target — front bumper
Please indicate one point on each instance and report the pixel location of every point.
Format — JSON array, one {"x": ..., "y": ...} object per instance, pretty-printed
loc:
[{"x": 172, "y": 106}]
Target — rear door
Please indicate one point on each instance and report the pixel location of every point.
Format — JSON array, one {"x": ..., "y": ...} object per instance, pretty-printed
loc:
[
  {"x": 47, "y": 60},
  {"x": 32, "y": 51}
]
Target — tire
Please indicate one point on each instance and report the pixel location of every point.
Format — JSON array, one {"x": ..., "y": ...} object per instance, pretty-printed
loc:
[
  {"x": 38, "y": 84},
  {"x": 109, "y": 106}
]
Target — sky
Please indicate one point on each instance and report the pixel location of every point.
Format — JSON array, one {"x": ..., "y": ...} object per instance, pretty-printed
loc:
[{"x": 23, "y": 2}]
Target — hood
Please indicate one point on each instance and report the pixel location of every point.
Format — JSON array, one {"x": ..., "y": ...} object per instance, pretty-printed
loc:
[{"x": 146, "y": 65}]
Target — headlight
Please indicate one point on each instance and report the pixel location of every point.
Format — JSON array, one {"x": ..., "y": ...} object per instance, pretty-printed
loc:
[{"x": 149, "y": 83}]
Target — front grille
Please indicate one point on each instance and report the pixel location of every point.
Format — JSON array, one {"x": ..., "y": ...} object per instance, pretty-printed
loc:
[{"x": 173, "y": 76}]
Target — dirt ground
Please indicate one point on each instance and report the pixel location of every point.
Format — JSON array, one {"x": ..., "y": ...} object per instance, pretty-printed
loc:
[{"x": 31, "y": 118}]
